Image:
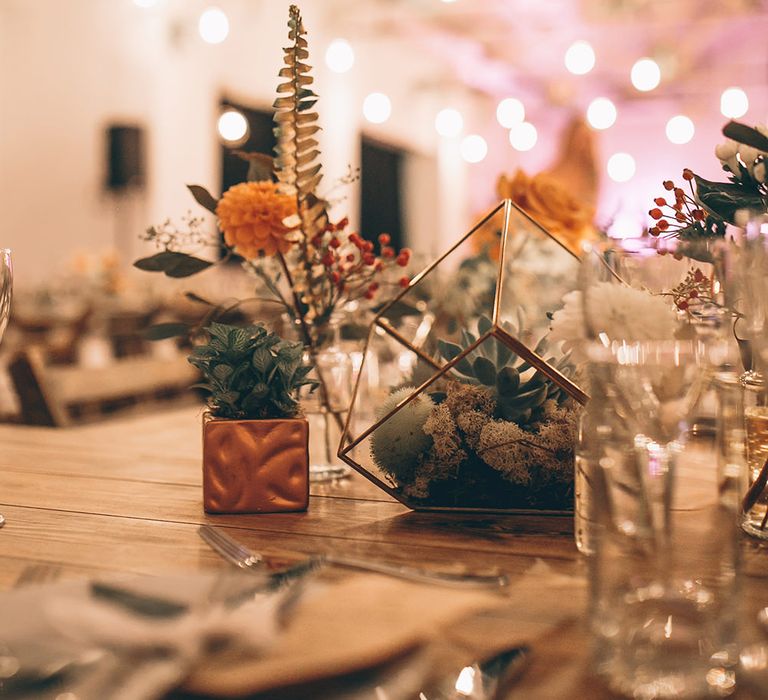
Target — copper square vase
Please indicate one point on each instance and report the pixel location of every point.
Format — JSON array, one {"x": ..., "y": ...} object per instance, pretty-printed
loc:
[{"x": 255, "y": 466}]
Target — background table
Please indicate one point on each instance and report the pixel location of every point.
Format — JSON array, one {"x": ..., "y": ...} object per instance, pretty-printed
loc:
[{"x": 125, "y": 496}]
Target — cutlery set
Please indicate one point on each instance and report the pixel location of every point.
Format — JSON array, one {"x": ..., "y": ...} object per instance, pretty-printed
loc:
[{"x": 245, "y": 558}]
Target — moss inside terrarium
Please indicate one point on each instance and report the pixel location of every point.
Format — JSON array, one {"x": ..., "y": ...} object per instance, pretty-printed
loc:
[{"x": 467, "y": 456}]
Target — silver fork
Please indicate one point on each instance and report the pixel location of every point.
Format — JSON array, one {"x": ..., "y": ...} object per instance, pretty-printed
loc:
[{"x": 243, "y": 557}]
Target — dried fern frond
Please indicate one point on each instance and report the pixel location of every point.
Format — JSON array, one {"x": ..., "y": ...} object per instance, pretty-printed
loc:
[{"x": 296, "y": 163}]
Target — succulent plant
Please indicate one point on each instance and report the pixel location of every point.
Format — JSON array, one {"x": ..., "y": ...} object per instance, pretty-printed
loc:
[
  {"x": 251, "y": 372},
  {"x": 519, "y": 389},
  {"x": 397, "y": 444}
]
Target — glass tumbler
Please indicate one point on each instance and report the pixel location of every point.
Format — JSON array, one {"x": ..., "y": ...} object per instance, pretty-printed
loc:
[{"x": 665, "y": 570}]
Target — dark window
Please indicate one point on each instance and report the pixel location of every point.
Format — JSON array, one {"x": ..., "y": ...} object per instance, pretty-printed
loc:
[
  {"x": 261, "y": 139},
  {"x": 380, "y": 191}
]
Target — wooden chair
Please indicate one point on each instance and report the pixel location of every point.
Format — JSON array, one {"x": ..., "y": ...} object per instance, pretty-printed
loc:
[{"x": 58, "y": 395}]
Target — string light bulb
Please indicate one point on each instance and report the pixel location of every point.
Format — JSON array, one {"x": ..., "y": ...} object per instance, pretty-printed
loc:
[
  {"x": 339, "y": 56},
  {"x": 377, "y": 108},
  {"x": 580, "y": 58},
  {"x": 213, "y": 26},
  {"x": 621, "y": 167},
  {"x": 232, "y": 126},
  {"x": 645, "y": 74},
  {"x": 510, "y": 112},
  {"x": 523, "y": 136},
  {"x": 449, "y": 122},
  {"x": 680, "y": 129},
  {"x": 473, "y": 148},
  {"x": 734, "y": 103},
  {"x": 601, "y": 113}
]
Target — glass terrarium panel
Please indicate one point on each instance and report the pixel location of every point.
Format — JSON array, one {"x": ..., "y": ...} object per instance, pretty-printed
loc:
[
  {"x": 385, "y": 365},
  {"x": 468, "y": 407},
  {"x": 451, "y": 294},
  {"x": 536, "y": 272},
  {"x": 489, "y": 432}
]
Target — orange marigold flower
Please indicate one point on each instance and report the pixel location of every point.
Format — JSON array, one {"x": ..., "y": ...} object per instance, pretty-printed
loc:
[{"x": 251, "y": 215}]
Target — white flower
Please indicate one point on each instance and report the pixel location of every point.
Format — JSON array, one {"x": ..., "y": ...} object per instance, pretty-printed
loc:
[
  {"x": 748, "y": 155},
  {"x": 619, "y": 311},
  {"x": 726, "y": 152},
  {"x": 732, "y": 153}
]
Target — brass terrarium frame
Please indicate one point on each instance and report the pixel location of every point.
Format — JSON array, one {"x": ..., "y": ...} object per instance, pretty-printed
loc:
[{"x": 381, "y": 324}]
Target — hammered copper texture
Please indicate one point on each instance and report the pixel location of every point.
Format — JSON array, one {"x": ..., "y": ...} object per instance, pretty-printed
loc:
[{"x": 255, "y": 466}]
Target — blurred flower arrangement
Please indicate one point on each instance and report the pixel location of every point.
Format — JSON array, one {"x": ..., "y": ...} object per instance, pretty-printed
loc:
[
  {"x": 280, "y": 230},
  {"x": 620, "y": 310},
  {"x": 549, "y": 203},
  {"x": 704, "y": 211},
  {"x": 277, "y": 225}
]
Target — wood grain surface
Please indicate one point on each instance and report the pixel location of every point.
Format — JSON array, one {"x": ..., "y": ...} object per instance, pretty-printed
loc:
[{"x": 124, "y": 496}]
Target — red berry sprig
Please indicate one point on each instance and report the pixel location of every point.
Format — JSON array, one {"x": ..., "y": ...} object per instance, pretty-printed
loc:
[
  {"x": 353, "y": 267},
  {"x": 682, "y": 216},
  {"x": 694, "y": 289}
]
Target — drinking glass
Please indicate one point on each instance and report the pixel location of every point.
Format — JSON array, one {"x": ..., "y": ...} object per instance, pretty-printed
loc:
[
  {"x": 6, "y": 290},
  {"x": 748, "y": 293},
  {"x": 618, "y": 299},
  {"x": 664, "y": 573}
]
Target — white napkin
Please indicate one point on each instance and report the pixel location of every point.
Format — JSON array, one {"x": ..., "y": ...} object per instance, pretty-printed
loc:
[{"x": 137, "y": 656}]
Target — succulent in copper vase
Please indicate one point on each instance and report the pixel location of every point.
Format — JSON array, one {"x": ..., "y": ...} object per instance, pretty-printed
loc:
[{"x": 251, "y": 372}]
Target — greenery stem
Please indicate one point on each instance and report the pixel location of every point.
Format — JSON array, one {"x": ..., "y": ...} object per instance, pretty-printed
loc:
[{"x": 309, "y": 341}]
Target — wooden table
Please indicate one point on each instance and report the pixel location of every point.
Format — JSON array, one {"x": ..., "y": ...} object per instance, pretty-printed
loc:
[{"x": 125, "y": 496}]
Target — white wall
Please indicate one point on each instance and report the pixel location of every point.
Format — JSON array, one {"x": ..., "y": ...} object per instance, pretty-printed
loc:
[{"x": 67, "y": 69}]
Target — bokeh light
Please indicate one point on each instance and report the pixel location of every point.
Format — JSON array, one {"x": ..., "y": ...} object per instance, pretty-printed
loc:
[
  {"x": 621, "y": 167},
  {"x": 510, "y": 112},
  {"x": 734, "y": 103},
  {"x": 523, "y": 136},
  {"x": 601, "y": 113},
  {"x": 473, "y": 148},
  {"x": 377, "y": 108},
  {"x": 233, "y": 126},
  {"x": 680, "y": 129},
  {"x": 580, "y": 58},
  {"x": 213, "y": 25},
  {"x": 339, "y": 56},
  {"x": 449, "y": 122},
  {"x": 645, "y": 75}
]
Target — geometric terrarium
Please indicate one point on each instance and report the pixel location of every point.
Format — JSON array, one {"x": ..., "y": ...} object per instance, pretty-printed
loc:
[{"x": 461, "y": 403}]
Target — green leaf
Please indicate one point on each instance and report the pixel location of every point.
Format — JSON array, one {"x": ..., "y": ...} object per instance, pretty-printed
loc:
[
  {"x": 483, "y": 325},
  {"x": 238, "y": 339},
  {"x": 222, "y": 372},
  {"x": 260, "y": 391},
  {"x": 724, "y": 199},
  {"x": 484, "y": 370},
  {"x": 173, "y": 264},
  {"x": 448, "y": 350},
  {"x": 203, "y": 197},
  {"x": 161, "y": 331},
  {"x": 219, "y": 331},
  {"x": 262, "y": 360},
  {"x": 508, "y": 381},
  {"x": 746, "y": 135}
]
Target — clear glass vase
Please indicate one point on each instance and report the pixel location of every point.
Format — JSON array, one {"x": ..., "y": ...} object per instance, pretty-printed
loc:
[{"x": 326, "y": 407}]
